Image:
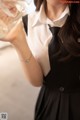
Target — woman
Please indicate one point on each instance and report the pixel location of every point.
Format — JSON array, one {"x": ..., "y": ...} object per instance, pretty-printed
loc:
[{"x": 51, "y": 58}]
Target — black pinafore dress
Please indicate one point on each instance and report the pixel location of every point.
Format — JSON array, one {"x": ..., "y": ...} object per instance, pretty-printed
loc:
[{"x": 59, "y": 97}]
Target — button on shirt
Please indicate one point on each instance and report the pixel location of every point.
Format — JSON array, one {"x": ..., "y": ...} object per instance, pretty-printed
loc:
[{"x": 39, "y": 35}]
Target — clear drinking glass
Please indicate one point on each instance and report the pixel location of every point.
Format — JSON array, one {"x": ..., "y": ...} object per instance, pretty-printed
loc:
[{"x": 11, "y": 11}]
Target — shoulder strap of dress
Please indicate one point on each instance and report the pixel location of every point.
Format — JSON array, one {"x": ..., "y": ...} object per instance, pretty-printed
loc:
[{"x": 25, "y": 23}]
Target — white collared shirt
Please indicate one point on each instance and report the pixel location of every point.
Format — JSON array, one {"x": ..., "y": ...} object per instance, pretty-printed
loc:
[{"x": 39, "y": 35}]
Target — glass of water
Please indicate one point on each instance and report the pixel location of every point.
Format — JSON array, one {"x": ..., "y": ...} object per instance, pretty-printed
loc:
[{"x": 11, "y": 11}]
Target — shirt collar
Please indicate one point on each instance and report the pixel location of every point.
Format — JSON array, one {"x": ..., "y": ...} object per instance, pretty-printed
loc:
[{"x": 40, "y": 17}]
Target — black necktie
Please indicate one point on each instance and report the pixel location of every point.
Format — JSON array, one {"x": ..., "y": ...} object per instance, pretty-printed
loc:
[
  {"x": 56, "y": 50},
  {"x": 54, "y": 47}
]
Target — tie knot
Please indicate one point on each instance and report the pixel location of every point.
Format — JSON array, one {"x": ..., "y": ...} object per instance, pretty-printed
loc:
[{"x": 54, "y": 30}]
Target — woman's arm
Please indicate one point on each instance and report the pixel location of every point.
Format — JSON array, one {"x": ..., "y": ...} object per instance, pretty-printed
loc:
[{"x": 32, "y": 69}]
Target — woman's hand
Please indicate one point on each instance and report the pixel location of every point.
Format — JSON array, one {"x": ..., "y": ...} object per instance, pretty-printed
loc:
[
  {"x": 17, "y": 33},
  {"x": 13, "y": 11}
]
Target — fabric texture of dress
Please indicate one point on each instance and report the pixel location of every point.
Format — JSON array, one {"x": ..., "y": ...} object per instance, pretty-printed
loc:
[{"x": 59, "y": 98}]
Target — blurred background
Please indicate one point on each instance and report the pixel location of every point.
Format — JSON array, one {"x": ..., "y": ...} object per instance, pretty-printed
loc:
[{"x": 17, "y": 96}]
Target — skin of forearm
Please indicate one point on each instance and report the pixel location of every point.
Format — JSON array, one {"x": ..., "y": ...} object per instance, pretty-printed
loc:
[{"x": 32, "y": 69}]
